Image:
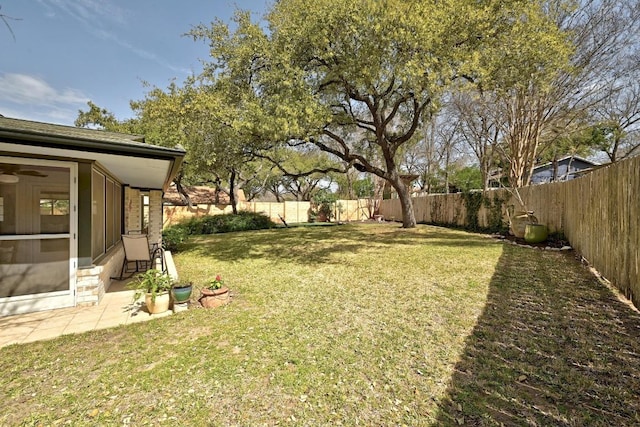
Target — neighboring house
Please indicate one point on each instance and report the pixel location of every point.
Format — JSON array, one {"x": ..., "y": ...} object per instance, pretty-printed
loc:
[
  {"x": 198, "y": 195},
  {"x": 568, "y": 168},
  {"x": 204, "y": 201},
  {"x": 66, "y": 197}
]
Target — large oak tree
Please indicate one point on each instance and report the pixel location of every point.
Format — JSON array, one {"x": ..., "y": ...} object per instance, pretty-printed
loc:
[{"x": 358, "y": 78}]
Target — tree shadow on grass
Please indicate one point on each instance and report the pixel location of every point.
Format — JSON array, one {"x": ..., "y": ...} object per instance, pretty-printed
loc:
[
  {"x": 316, "y": 245},
  {"x": 552, "y": 347}
]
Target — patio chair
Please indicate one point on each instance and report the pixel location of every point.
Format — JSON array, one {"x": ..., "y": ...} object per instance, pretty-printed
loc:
[{"x": 137, "y": 249}]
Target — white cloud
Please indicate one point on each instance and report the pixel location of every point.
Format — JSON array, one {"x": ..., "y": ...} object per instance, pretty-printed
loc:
[
  {"x": 89, "y": 12},
  {"x": 26, "y": 89},
  {"x": 93, "y": 14},
  {"x": 61, "y": 116},
  {"x": 27, "y": 97}
]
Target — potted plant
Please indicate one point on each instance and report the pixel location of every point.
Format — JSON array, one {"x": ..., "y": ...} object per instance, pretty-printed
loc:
[
  {"x": 215, "y": 293},
  {"x": 524, "y": 224},
  {"x": 518, "y": 221},
  {"x": 181, "y": 292},
  {"x": 155, "y": 286},
  {"x": 323, "y": 205}
]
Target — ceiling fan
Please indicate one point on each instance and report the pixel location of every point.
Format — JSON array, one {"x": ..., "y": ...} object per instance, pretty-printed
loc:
[{"x": 9, "y": 174}]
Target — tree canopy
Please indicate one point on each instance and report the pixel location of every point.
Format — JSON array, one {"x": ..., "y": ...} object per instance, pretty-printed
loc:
[
  {"x": 361, "y": 82},
  {"x": 358, "y": 78}
]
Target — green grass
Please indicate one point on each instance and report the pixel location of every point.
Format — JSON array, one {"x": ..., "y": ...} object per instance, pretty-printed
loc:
[{"x": 352, "y": 325}]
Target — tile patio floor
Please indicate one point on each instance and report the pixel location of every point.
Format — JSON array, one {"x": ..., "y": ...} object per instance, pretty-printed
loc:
[{"x": 115, "y": 309}]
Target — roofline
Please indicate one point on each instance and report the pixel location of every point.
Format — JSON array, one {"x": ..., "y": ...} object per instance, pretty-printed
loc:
[
  {"x": 176, "y": 164},
  {"x": 91, "y": 145},
  {"x": 131, "y": 145},
  {"x": 582, "y": 159}
]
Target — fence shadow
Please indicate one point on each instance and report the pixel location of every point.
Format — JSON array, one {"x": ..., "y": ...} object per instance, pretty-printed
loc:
[{"x": 552, "y": 347}]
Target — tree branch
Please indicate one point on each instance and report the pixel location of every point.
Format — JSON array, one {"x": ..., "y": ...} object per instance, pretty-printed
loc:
[
  {"x": 417, "y": 112},
  {"x": 277, "y": 164},
  {"x": 362, "y": 164}
]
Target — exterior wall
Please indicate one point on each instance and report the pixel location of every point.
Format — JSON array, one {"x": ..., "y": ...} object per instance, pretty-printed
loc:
[
  {"x": 132, "y": 209},
  {"x": 92, "y": 283},
  {"x": 566, "y": 171},
  {"x": 155, "y": 217}
]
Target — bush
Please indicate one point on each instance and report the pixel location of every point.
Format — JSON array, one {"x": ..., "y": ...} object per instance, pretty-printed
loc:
[
  {"x": 323, "y": 205},
  {"x": 174, "y": 235}
]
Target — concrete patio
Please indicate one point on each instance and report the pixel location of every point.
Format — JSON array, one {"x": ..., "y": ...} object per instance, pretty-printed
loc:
[{"x": 116, "y": 308}]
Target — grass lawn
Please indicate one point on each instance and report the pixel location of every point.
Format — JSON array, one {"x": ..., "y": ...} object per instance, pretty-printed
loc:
[{"x": 351, "y": 325}]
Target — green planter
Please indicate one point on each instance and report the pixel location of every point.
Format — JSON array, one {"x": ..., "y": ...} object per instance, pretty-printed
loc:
[
  {"x": 519, "y": 220},
  {"x": 181, "y": 293},
  {"x": 535, "y": 233}
]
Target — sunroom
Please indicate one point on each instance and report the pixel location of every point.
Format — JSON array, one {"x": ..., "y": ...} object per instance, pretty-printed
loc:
[{"x": 66, "y": 197}]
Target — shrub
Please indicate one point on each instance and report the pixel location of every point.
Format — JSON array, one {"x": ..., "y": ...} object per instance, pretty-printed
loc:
[
  {"x": 323, "y": 205},
  {"x": 174, "y": 235}
]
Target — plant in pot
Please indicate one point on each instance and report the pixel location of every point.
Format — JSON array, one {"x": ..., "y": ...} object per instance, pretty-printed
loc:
[
  {"x": 323, "y": 205},
  {"x": 155, "y": 286},
  {"x": 215, "y": 293},
  {"x": 524, "y": 224}
]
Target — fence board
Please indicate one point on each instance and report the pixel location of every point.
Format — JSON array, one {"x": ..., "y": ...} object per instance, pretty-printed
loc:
[{"x": 291, "y": 211}]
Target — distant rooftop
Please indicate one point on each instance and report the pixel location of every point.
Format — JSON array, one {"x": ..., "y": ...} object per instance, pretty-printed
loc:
[{"x": 198, "y": 194}]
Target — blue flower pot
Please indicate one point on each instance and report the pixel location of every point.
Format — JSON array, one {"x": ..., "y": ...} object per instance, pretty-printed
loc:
[{"x": 182, "y": 293}]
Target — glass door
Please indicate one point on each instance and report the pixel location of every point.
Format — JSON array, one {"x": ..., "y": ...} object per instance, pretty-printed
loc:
[{"x": 37, "y": 235}]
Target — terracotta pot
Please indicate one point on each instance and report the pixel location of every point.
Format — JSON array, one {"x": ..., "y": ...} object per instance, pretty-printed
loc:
[
  {"x": 160, "y": 305},
  {"x": 212, "y": 298}
]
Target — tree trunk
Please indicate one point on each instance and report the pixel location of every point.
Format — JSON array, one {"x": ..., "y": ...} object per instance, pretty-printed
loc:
[
  {"x": 446, "y": 172},
  {"x": 232, "y": 192},
  {"x": 406, "y": 202}
]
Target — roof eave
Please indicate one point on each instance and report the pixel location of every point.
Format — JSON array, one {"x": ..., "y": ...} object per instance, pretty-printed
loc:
[
  {"x": 176, "y": 164},
  {"x": 91, "y": 145}
]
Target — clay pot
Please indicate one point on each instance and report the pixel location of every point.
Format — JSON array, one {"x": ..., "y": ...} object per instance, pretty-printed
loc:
[
  {"x": 160, "y": 305},
  {"x": 181, "y": 294},
  {"x": 212, "y": 298}
]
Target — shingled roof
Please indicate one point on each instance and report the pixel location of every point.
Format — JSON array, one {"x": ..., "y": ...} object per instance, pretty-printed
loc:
[
  {"x": 60, "y": 136},
  {"x": 126, "y": 157}
]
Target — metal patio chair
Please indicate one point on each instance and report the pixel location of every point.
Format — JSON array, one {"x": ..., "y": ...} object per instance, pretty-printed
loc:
[{"x": 138, "y": 250}]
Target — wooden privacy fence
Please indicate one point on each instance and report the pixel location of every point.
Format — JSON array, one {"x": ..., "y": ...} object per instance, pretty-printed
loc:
[
  {"x": 291, "y": 211},
  {"x": 599, "y": 214}
]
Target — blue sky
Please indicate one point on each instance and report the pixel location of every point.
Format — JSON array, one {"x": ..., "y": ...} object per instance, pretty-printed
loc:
[{"x": 67, "y": 52}]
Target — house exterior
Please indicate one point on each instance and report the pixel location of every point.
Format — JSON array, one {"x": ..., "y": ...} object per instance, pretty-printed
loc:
[
  {"x": 66, "y": 197},
  {"x": 568, "y": 168}
]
